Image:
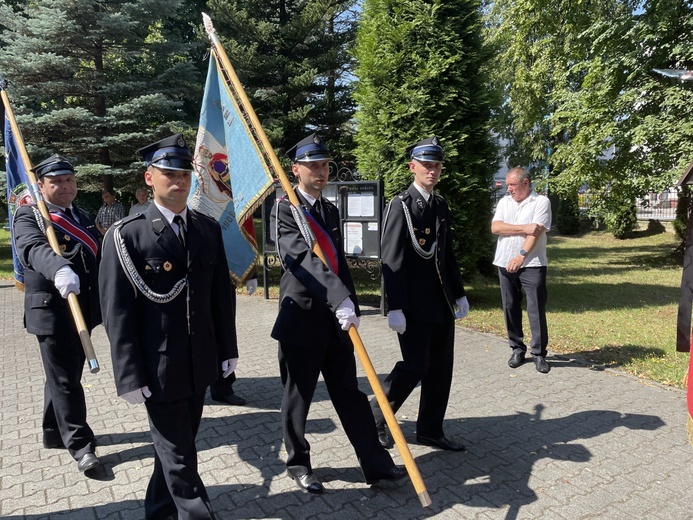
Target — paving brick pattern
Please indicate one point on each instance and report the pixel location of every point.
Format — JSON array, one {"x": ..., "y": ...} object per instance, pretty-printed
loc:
[{"x": 577, "y": 443}]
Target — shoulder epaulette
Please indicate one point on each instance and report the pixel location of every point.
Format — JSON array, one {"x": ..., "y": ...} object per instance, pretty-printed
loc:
[
  {"x": 200, "y": 215},
  {"x": 127, "y": 219}
]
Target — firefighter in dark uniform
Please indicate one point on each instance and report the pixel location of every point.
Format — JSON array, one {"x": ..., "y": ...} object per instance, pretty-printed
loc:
[
  {"x": 317, "y": 305},
  {"x": 423, "y": 285},
  {"x": 167, "y": 296},
  {"x": 49, "y": 278}
]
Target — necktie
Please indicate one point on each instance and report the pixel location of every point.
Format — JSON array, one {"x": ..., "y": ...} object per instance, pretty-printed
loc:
[
  {"x": 181, "y": 229},
  {"x": 68, "y": 212},
  {"x": 316, "y": 210}
]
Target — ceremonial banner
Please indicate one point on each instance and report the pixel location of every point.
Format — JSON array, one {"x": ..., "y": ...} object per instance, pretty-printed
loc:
[
  {"x": 232, "y": 176},
  {"x": 689, "y": 398},
  {"x": 683, "y": 320},
  {"x": 18, "y": 190}
]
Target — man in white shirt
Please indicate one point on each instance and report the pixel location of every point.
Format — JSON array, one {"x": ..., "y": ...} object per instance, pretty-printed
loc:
[{"x": 521, "y": 222}]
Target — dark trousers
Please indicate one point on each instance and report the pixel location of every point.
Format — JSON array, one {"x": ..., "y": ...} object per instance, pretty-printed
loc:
[
  {"x": 175, "y": 487},
  {"x": 533, "y": 281},
  {"x": 300, "y": 366},
  {"x": 223, "y": 386},
  {"x": 427, "y": 357},
  {"x": 64, "y": 407}
]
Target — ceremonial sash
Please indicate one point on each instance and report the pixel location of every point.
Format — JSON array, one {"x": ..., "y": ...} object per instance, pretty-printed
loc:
[
  {"x": 75, "y": 232},
  {"x": 324, "y": 241}
]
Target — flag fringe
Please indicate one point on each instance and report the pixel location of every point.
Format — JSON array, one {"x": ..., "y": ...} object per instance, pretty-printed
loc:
[
  {"x": 689, "y": 428},
  {"x": 243, "y": 278}
]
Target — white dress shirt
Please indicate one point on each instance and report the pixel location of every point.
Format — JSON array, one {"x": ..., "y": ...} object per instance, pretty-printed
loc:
[{"x": 535, "y": 209}]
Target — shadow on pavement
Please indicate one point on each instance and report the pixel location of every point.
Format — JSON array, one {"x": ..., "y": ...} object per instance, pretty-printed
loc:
[{"x": 494, "y": 472}]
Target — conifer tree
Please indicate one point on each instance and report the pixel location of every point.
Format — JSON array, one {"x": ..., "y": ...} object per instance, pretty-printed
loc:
[
  {"x": 96, "y": 80},
  {"x": 291, "y": 57},
  {"x": 419, "y": 74}
]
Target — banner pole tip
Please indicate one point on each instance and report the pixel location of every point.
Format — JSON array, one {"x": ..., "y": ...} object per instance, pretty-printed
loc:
[{"x": 425, "y": 499}]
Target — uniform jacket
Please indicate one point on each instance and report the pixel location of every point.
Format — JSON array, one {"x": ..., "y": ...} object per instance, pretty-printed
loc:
[
  {"x": 425, "y": 290},
  {"x": 309, "y": 292},
  {"x": 150, "y": 344},
  {"x": 45, "y": 311}
]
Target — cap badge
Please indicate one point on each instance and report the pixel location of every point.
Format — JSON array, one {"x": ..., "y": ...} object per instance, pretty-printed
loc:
[
  {"x": 180, "y": 141},
  {"x": 434, "y": 141}
]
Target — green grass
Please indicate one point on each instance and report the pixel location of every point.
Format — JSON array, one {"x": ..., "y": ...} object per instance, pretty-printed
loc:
[
  {"x": 6, "y": 266},
  {"x": 613, "y": 302}
]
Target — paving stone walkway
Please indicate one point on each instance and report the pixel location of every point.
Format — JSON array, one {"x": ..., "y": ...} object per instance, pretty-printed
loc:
[{"x": 577, "y": 443}]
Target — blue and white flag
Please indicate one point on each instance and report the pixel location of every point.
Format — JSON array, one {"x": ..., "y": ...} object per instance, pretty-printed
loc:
[
  {"x": 19, "y": 191},
  {"x": 232, "y": 177}
]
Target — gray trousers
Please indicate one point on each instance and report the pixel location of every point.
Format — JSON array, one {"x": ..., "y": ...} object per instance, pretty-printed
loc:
[{"x": 533, "y": 281}]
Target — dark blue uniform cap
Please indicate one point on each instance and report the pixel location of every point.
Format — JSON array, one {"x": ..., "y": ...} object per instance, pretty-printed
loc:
[
  {"x": 310, "y": 149},
  {"x": 171, "y": 153},
  {"x": 53, "y": 166},
  {"x": 426, "y": 150}
]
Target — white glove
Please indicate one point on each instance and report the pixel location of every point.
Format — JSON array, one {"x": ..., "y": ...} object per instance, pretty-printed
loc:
[
  {"x": 251, "y": 285},
  {"x": 228, "y": 366},
  {"x": 462, "y": 307},
  {"x": 66, "y": 281},
  {"x": 346, "y": 314},
  {"x": 138, "y": 396},
  {"x": 396, "y": 321}
]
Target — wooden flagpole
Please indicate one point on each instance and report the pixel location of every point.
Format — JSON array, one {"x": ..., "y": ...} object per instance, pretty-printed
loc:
[
  {"x": 380, "y": 396},
  {"x": 50, "y": 232}
]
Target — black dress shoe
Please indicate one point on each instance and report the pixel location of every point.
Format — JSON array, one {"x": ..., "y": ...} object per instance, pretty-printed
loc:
[
  {"x": 541, "y": 364},
  {"x": 232, "y": 398},
  {"x": 87, "y": 462},
  {"x": 384, "y": 437},
  {"x": 441, "y": 442},
  {"x": 52, "y": 440},
  {"x": 392, "y": 474},
  {"x": 516, "y": 360},
  {"x": 309, "y": 483}
]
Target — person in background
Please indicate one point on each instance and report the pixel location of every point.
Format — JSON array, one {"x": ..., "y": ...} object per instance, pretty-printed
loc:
[
  {"x": 143, "y": 202},
  {"x": 222, "y": 390},
  {"x": 111, "y": 211},
  {"x": 49, "y": 278},
  {"x": 423, "y": 285},
  {"x": 521, "y": 221}
]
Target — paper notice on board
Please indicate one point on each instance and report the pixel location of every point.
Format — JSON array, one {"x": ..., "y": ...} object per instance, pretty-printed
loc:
[
  {"x": 361, "y": 205},
  {"x": 353, "y": 238}
]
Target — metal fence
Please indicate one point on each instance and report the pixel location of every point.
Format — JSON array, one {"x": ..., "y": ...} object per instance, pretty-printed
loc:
[{"x": 653, "y": 206}]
